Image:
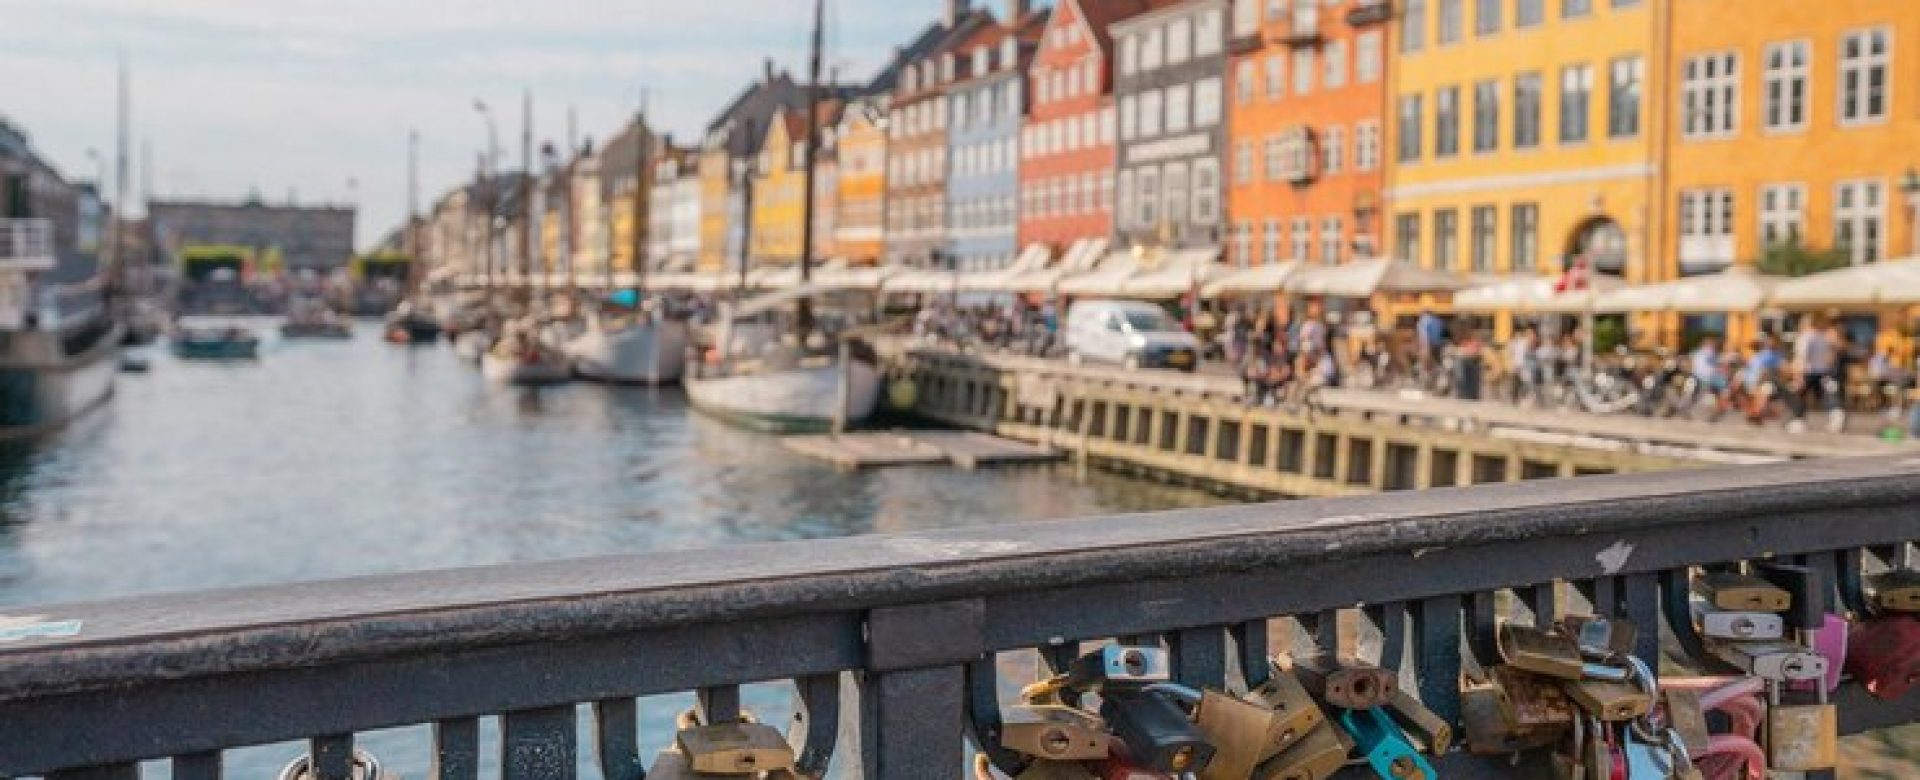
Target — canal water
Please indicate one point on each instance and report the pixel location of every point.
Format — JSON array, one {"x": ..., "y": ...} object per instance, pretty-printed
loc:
[{"x": 326, "y": 460}]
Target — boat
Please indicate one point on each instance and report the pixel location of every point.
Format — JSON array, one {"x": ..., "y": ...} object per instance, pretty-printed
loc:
[
  {"x": 215, "y": 343},
  {"x": 522, "y": 358},
  {"x": 410, "y": 324},
  {"x": 646, "y": 349},
  {"x": 784, "y": 384},
  {"x": 309, "y": 318},
  {"x": 472, "y": 345}
]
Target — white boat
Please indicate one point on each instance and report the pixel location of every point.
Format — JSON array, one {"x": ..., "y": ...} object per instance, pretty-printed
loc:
[
  {"x": 472, "y": 345},
  {"x": 520, "y": 358},
  {"x": 763, "y": 384},
  {"x": 640, "y": 352}
]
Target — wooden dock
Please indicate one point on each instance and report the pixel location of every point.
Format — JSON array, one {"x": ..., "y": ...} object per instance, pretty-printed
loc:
[{"x": 965, "y": 449}]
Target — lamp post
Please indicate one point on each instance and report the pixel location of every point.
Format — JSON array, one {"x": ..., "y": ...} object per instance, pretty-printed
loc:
[{"x": 1910, "y": 186}]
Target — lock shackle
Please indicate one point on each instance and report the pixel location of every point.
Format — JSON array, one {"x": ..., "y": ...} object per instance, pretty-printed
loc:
[
  {"x": 302, "y": 766},
  {"x": 1184, "y": 694},
  {"x": 687, "y": 720}
]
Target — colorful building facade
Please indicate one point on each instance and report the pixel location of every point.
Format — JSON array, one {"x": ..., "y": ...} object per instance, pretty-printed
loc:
[
  {"x": 860, "y": 150},
  {"x": 917, "y": 164},
  {"x": 779, "y": 176},
  {"x": 1306, "y": 137},
  {"x": 1067, "y": 145},
  {"x": 986, "y": 107},
  {"x": 1170, "y": 86}
]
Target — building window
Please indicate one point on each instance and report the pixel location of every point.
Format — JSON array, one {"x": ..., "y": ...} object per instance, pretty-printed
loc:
[
  {"x": 1413, "y": 26},
  {"x": 1486, "y": 116},
  {"x": 1276, "y": 76},
  {"x": 1332, "y": 240},
  {"x": 1452, "y": 20},
  {"x": 1153, "y": 49},
  {"x": 1526, "y": 237},
  {"x": 1174, "y": 177},
  {"x": 1206, "y": 102},
  {"x": 1151, "y": 113},
  {"x": 1206, "y": 191},
  {"x": 1334, "y": 63},
  {"x": 1623, "y": 98},
  {"x": 1366, "y": 57},
  {"x": 1302, "y": 71},
  {"x": 1366, "y": 146},
  {"x": 1125, "y": 213},
  {"x": 1409, "y": 131},
  {"x": 1179, "y": 41},
  {"x": 1130, "y": 55},
  {"x": 1129, "y": 118},
  {"x": 1246, "y": 18},
  {"x": 1709, "y": 95},
  {"x": 1858, "y": 226},
  {"x": 1446, "y": 122},
  {"x": 1783, "y": 214},
  {"x": 1242, "y": 162},
  {"x": 1147, "y": 201},
  {"x": 1864, "y": 60},
  {"x": 1576, "y": 98},
  {"x": 1406, "y": 237},
  {"x": 1529, "y": 13},
  {"x": 1296, "y": 155},
  {"x": 1788, "y": 66},
  {"x": 1446, "y": 239},
  {"x": 1242, "y": 244},
  {"x": 1570, "y": 9},
  {"x": 1333, "y": 150},
  {"x": 1270, "y": 242},
  {"x": 1208, "y": 35},
  {"x": 1302, "y": 236},
  {"x": 1486, "y": 17},
  {"x": 1526, "y": 110},
  {"x": 1244, "y": 76},
  {"x": 1706, "y": 228},
  {"x": 1179, "y": 108},
  {"x": 1275, "y": 158},
  {"x": 1486, "y": 229}
]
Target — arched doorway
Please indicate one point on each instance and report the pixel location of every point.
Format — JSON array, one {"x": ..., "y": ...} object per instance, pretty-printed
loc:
[{"x": 1603, "y": 242}]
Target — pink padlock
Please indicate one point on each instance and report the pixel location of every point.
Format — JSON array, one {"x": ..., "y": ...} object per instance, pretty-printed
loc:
[
  {"x": 1728, "y": 755},
  {"x": 1830, "y": 642}
]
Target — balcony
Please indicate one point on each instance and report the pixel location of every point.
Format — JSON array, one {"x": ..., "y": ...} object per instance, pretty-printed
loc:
[
  {"x": 1368, "y": 13},
  {"x": 26, "y": 245}
]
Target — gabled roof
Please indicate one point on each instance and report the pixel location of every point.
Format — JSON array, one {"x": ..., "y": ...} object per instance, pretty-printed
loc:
[{"x": 1102, "y": 14}]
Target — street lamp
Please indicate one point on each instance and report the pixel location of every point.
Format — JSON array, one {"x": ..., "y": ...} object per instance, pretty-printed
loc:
[{"x": 1910, "y": 186}]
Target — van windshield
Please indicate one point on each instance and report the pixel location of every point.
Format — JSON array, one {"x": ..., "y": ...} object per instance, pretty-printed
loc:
[{"x": 1149, "y": 321}]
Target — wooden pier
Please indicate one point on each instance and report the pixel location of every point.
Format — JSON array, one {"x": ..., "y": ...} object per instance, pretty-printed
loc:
[
  {"x": 1199, "y": 429},
  {"x": 965, "y": 449}
]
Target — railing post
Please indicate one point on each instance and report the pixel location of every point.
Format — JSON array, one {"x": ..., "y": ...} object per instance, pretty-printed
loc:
[{"x": 913, "y": 691}]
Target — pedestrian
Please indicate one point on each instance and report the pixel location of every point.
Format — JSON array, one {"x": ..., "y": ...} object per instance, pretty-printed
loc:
[{"x": 1816, "y": 359}]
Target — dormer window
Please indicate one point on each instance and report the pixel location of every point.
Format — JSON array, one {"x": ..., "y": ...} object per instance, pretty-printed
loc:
[
  {"x": 947, "y": 65},
  {"x": 982, "y": 61},
  {"x": 1009, "y": 52}
]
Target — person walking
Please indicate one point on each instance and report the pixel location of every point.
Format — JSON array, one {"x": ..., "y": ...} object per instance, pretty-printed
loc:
[{"x": 1816, "y": 360}]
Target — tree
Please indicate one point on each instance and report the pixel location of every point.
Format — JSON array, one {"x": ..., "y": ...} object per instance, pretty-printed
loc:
[{"x": 1793, "y": 259}]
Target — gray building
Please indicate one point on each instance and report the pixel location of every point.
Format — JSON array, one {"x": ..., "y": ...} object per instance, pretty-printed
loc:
[
  {"x": 319, "y": 238},
  {"x": 1169, "y": 86}
]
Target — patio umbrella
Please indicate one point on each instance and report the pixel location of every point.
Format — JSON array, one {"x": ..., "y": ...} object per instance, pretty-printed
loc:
[{"x": 1892, "y": 283}]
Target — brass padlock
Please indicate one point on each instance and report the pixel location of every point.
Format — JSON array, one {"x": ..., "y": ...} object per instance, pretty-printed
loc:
[
  {"x": 1550, "y": 653},
  {"x": 1048, "y": 770},
  {"x": 1297, "y": 712},
  {"x": 1743, "y": 593},
  {"x": 1529, "y": 701},
  {"x": 1802, "y": 737},
  {"x": 1611, "y": 702},
  {"x": 736, "y": 748},
  {"x": 1430, "y": 732},
  {"x": 1317, "y": 756},
  {"x": 1488, "y": 733},
  {"x": 671, "y": 764},
  {"x": 1243, "y": 734},
  {"x": 1896, "y": 591},
  {"x": 1345, "y": 683},
  {"x": 1687, "y": 718},
  {"x": 1054, "y": 733}
]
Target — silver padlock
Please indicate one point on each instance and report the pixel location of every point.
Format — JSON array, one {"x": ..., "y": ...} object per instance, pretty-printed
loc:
[
  {"x": 1738, "y": 626},
  {"x": 365, "y": 767}
]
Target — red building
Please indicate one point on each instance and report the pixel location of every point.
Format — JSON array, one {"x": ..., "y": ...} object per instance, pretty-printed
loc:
[{"x": 1067, "y": 146}]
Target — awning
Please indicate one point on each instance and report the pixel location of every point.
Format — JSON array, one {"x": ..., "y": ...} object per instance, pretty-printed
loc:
[
  {"x": 1179, "y": 273},
  {"x": 1364, "y": 278},
  {"x": 1892, "y": 283},
  {"x": 924, "y": 280},
  {"x": 779, "y": 299},
  {"x": 1535, "y": 295},
  {"x": 1108, "y": 279},
  {"x": 1258, "y": 280},
  {"x": 1004, "y": 280},
  {"x": 1736, "y": 289}
]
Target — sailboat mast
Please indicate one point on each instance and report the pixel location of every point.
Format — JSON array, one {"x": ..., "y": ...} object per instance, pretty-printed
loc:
[
  {"x": 809, "y": 149},
  {"x": 642, "y": 190},
  {"x": 118, "y": 212}
]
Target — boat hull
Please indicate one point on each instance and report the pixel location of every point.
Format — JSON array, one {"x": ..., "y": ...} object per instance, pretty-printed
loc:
[
  {"x": 216, "y": 350},
  {"x": 38, "y": 397},
  {"x": 514, "y": 371},
  {"x": 325, "y": 331},
  {"x": 650, "y": 354},
  {"x": 800, "y": 400}
]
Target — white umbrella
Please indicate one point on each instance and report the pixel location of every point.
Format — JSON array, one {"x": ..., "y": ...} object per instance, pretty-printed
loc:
[
  {"x": 1891, "y": 283},
  {"x": 1175, "y": 276},
  {"x": 1363, "y": 278},
  {"x": 1260, "y": 279},
  {"x": 1108, "y": 279},
  {"x": 923, "y": 280},
  {"x": 1736, "y": 289},
  {"x": 1538, "y": 294}
]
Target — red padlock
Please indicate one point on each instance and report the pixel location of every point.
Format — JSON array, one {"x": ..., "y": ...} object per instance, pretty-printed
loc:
[
  {"x": 1884, "y": 654},
  {"x": 1120, "y": 766}
]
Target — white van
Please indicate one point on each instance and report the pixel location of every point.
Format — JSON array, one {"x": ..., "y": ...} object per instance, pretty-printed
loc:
[{"x": 1133, "y": 334}]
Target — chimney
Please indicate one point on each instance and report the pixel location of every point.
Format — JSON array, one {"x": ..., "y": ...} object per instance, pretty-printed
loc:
[
  {"x": 955, "y": 10},
  {"x": 768, "y": 66},
  {"x": 1017, "y": 10}
]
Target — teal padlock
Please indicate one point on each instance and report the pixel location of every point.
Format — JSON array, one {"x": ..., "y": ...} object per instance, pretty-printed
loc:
[{"x": 1385, "y": 746}]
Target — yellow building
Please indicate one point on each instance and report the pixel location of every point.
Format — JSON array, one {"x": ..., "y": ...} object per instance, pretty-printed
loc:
[
  {"x": 716, "y": 204},
  {"x": 1521, "y": 135},
  {"x": 778, "y": 183},
  {"x": 861, "y": 182}
]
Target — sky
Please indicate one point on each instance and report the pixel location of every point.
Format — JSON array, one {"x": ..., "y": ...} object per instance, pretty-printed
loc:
[{"x": 315, "y": 98}]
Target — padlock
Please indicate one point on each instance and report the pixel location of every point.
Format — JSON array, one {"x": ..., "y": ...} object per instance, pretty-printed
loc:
[
  {"x": 362, "y": 766},
  {"x": 1243, "y": 733},
  {"x": 1549, "y": 653},
  {"x": 1155, "y": 731},
  {"x": 1687, "y": 718},
  {"x": 1046, "y": 770},
  {"x": 1611, "y": 702},
  {"x": 1529, "y": 701},
  {"x": 1054, "y": 733},
  {"x": 1345, "y": 683},
  {"x": 671, "y": 764},
  {"x": 1737, "y": 626},
  {"x": 1117, "y": 666},
  {"x": 1743, "y": 593},
  {"x": 1776, "y": 661},
  {"x": 1317, "y": 756},
  {"x": 1489, "y": 733},
  {"x": 735, "y": 748},
  {"x": 1430, "y": 732},
  {"x": 1884, "y": 654},
  {"x": 1600, "y": 637},
  {"x": 1896, "y": 591},
  {"x": 1297, "y": 711},
  {"x": 1830, "y": 643},
  {"x": 1802, "y": 737},
  {"x": 1383, "y": 746}
]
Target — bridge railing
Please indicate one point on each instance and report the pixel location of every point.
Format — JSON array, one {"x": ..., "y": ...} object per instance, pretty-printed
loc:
[{"x": 917, "y": 619}]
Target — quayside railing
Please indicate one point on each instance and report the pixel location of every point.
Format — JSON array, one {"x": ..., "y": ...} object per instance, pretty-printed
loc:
[{"x": 911, "y": 624}]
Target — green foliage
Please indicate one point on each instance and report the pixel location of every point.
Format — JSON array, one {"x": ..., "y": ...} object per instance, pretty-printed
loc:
[
  {"x": 1793, "y": 259},
  {"x": 1608, "y": 333}
]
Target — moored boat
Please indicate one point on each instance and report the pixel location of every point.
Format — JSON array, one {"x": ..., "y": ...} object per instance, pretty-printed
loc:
[
  {"x": 215, "y": 343},
  {"x": 521, "y": 358},
  {"x": 410, "y": 324},
  {"x": 311, "y": 319},
  {"x": 642, "y": 351},
  {"x": 790, "y": 384}
]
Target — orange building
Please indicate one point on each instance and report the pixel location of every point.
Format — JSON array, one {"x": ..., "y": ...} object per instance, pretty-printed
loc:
[
  {"x": 1305, "y": 158},
  {"x": 860, "y": 149}
]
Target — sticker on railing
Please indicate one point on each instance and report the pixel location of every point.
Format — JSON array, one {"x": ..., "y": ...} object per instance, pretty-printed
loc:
[
  {"x": 16, "y": 629},
  {"x": 1614, "y": 558}
]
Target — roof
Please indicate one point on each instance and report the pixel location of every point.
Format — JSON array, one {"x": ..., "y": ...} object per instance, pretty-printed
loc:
[
  {"x": 1122, "y": 11},
  {"x": 889, "y": 76}
]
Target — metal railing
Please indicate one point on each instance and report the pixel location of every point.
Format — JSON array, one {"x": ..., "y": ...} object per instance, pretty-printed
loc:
[
  {"x": 917, "y": 618},
  {"x": 26, "y": 244}
]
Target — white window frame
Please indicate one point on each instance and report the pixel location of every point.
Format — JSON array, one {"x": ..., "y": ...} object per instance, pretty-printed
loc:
[
  {"x": 1274, "y": 157},
  {"x": 1124, "y": 211},
  {"x": 1333, "y": 149},
  {"x": 1147, "y": 199},
  {"x": 1706, "y": 227},
  {"x": 1300, "y": 239},
  {"x": 1153, "y": 49},
  {"x": 1784, "y": 89},
  {"x": 1245, "y": 78},
  {"x": 1783, "y": 214},
  {"x": 1205, "y": 185},
  {"x": 1152, "y": 113},
  {"x": 1333, "y": 240},
  {"x": 1270, "y": 241},
  {"x": 1368, "y": 50},
  {"x": 1208, "y": 35},
  {"x": 1333, "y": 65},
  {"x": 1179, "y": 41},
  {"x": 1710, "y": 95},
  {"x": 1854, "y": 216},
  {"x": 1303, "y": 71},
  {"x": 1276, "y": 75},
  {"x": 1179, "y": 98},
  {"x": 1852, "y": 92},
  {"x": 1207, "y": 102},
  {"x": 1366, "y": 146}
]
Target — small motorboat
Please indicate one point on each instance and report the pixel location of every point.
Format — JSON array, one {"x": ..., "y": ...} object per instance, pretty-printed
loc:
[
  {"x": 215, "y": 343},
  {"x": 311, "y": 319},
  {"x": 134, "y": 364},
  {"x": 642, "y": 350},
  {"x": 781, "y": 387},
  {"x": 409, "y": 324},
  {"x": 522, "y": 358}
]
